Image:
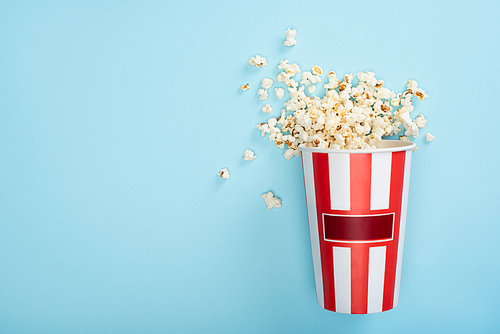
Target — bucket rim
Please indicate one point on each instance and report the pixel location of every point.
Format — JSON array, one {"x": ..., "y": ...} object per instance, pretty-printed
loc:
[{"x": 388, "y": 145}]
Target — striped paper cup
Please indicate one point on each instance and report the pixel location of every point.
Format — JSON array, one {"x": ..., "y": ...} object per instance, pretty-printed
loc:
[{"x": 356, "y": 207}]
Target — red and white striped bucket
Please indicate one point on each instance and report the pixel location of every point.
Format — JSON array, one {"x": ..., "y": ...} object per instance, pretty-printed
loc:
[{"x": 356, "y": 206}]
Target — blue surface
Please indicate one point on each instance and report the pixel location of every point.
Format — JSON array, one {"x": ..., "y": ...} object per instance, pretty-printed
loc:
[{"x": 115, "y": 117}]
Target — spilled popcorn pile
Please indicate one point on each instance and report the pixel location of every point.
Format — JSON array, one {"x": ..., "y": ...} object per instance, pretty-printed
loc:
[{"x": 348, "y": 116}]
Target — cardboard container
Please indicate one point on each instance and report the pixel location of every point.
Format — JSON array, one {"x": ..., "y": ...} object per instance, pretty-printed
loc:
[{"x": 356, "y": 206}]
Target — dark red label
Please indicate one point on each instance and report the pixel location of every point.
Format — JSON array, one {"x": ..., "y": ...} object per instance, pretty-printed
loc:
[{"x": 358, "y": 228}]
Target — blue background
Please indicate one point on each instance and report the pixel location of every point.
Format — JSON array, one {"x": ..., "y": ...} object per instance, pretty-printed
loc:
[{"x": 115, "y": 117}]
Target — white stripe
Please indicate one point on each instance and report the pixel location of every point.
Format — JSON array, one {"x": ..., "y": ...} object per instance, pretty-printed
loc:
[
  {"x": 340, "y": 181},
  {"x": 342, "y": 278},
  {"x": 376, "y": 273},
  {"x": 402, "y": 225},
  {"x": 312, "y": 217},
  {"x": 381, "y": 180}
]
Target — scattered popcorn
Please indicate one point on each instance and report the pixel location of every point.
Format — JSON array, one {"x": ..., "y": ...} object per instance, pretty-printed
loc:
[
  {"x": 290, "y": 37},
  {"x": 248, "y": 155},
  {"x": 266, "y": 83},
  {"x": 223, "y": 173},
  {"x": 280, "y": 92},
  {"x": 271, "y": 201},
  {"x": 429, "y": 136},
  {"x": 350, "y": 115},
  {"x": 262, "y": 93},
  {"x": 258, "y": 61},
  {"x": 267, "y": 108},
  {"x": 245, "y": 87},
  {"x": 347, "y": 117}
]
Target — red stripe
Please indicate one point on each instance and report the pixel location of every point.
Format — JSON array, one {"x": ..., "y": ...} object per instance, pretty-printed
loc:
[
  {"x": 359, "y": 278},
  {"x": 397, "y": 179},
  {"x": 322, "y": 190},
  {"x": 360, "y": 174}
]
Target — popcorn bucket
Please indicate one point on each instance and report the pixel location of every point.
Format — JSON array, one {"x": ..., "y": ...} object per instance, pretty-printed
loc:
[{"x": 356, "y": 207}]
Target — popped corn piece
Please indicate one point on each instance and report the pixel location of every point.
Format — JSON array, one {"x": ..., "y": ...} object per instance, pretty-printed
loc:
[
  {"x": 266, "y": 83},
  {"x": 368, "y": 78},
  {"x": 411, "y": 86},
  {"x": 280, "y": 92},
  {"x": 420, "y": 94},
  {"x": 311, "y": 89},
  {"x": 262, "y": 94},
  {"x": 249, "y": 155},
  {"x": 290, "y": 37},
  {"x": 288, "y": 154},
  {"x": 264, "y": 128},
  {"x": 383, "y": 93},
  {"x": 272, "y": 122},
  {"x": 404, "y": 138},
  {"x": 420, "y": 121},
  {"x": 267, "y": 108},
  {"x": 258, "y": 61},
  {"x": 224, "y": 174},
  {"x": 271, "y": 200},
  {"x": 291, "y": 82},
  {"x": 396, "y": 101},
  {"x": 317, "y": 70},
  {"x": 291, "y": 152},
  {"x": 412, "y": 130},
  {"x": 245, "y": 87},
  {"x": 290, "y": 69},
  {"x": 283, "y": 65},
  {"x": 429, "y": 136},
  {"x": 304, "y": 137},
  {"x": 308, "y": 78}
]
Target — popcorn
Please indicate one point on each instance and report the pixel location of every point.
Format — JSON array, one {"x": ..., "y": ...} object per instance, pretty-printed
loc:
[
  {"x": 248, "y": 155},
  {"x": 280, "y": 92},
  {"x": 396, "y": 101},
  {"x": 290, "y": 37},
  {"x": 412, "y": 86},
  {"x": 346, "y": 117},
  {"x": 420, "y": 121},
  {"x": 412, "y": 130},
  {"x": 290, "y": 69},
  {"x": 258, "y": 61},
  {"x": 317, "y": 70},
  {"x": 288, "y": 154},
  {"x": 420, "y": 94},
  {"x": 271, "y": 201},
  {"x": 266, "y": 83},
  {"x": 264, "y": 128},
  {"x": 224, "y": 174},
  {"x": 245, "y": 87},
  {"x": 262, "y": 94},
  {"x": 267, "y": 108},
  {"x": 429, "y": 136}
]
